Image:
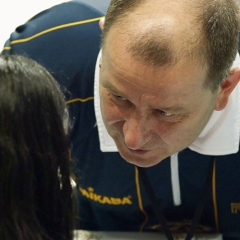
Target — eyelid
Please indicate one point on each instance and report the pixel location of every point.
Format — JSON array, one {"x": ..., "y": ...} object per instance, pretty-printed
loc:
[
  {"x": 164, "y": 113},
  {"x": 119, "y": 97}
]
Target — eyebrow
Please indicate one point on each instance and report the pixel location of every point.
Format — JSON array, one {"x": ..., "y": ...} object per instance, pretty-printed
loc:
[
  {"x": 109, "y": 86},
  {"x": 173, "y": 108}
]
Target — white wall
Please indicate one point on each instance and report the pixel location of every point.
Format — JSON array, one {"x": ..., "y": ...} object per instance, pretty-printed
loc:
[{"x": 16, "y": 12}]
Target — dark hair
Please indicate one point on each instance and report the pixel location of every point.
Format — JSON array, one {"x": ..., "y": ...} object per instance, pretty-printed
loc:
[
  {"x": 218, "y": 23},
  {"x": 35, "y": 187}
]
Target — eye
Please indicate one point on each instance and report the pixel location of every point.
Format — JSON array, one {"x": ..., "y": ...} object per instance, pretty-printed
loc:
[
  {"x": 120, "y": 98},
  {"x": 167, "y": 114}
]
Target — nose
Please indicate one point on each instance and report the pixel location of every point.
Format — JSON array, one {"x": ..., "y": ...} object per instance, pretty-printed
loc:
[{"x": 137, "y": 131}]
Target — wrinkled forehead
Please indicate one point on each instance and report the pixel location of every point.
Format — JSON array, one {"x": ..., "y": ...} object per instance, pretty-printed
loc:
[{"x": 120, "y": 67}]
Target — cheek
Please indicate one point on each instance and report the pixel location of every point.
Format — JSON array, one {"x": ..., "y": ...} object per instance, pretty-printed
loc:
[
  {"x": 176, "y": 133},
  {"x": 110, "y": 111},
  {"x": 169, "y": 132},
  {"x": 185, "y": 132}
]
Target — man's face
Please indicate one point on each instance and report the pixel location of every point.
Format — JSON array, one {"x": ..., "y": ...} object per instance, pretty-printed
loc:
[{"x": 151, "y": 112}]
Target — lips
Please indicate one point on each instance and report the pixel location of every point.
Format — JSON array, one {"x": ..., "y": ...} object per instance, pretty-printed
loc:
[{"x": 137, "y": 151}]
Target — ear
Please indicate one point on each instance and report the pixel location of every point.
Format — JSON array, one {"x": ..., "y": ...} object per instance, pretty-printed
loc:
[
  {"x": 101, "y": 23},
  {"x": 226, "y": 88}
]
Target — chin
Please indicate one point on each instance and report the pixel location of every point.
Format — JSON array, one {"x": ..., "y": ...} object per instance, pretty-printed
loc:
[
  {"x": 146, "y": 163},
  {"x": 141, "y": 162}
]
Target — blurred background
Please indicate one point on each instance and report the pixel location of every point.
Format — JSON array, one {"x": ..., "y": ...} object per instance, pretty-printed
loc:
[{"x": 17, "y": 12}]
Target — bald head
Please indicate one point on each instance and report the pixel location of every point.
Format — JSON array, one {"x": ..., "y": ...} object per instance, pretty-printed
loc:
[
  {"x": 159, "y": 32},
  {"x": 163, "y": 34}
]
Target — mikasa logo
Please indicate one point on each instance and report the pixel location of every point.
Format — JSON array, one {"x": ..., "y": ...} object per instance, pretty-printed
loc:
[
  {"x": 235, "y": 207},
  {"x": 89, "y": 193}
]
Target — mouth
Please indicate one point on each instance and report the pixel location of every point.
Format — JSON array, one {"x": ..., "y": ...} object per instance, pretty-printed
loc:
[{"x": 137, "y": 151}]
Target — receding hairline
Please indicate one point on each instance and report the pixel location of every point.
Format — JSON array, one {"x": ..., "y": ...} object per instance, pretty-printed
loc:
[
  {"x": 156, "y": 45},
  {"x": 217, "y": 20}
]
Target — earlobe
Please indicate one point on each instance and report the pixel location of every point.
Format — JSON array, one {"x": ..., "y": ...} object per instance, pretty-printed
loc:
[
  {"x": 101, "y": 23},
  {"x": 226, "y": 88}
]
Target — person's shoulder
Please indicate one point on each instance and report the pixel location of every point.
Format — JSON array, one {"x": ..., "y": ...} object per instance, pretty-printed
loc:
[
  {"x": 62, "y": 25},
  {"x": 65, "y": 14}
]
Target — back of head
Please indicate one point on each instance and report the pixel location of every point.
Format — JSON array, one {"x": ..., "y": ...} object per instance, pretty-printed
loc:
[
  {"x": 35, "y": 200},
  {"x": 163, "y": 32}
]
